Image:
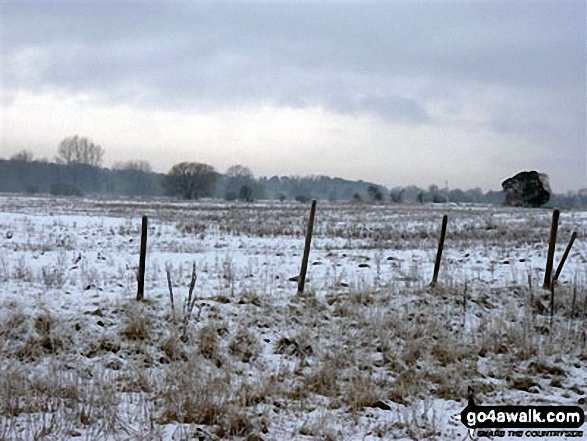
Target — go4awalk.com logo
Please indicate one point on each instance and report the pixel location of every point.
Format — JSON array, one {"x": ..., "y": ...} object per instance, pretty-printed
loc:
[{"x": 546, "y": 422}]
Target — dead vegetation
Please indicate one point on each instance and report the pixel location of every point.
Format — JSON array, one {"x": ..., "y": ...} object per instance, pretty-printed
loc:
[{"x": 252, "y": 364}]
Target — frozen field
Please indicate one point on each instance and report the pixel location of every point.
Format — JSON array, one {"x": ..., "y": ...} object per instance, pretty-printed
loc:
[{"x": 369, "y": 351}]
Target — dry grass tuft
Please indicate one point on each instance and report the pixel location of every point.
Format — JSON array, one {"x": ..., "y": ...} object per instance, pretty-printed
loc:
[
  {"x": 135, "y": 325},
  {"x": 208, "y": 343},
  {"x": 29, "y": 338},
  {"x": 244, "y": 345}
]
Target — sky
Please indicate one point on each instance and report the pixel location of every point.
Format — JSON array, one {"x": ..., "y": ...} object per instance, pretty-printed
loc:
[{"x": 457, "y": 93}]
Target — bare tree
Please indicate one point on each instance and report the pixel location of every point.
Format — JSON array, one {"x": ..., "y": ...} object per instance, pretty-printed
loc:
[
  {"x": 134, "y": 165},
  {"x": 239, "y": 171},
  {"x": 240, "y": 183},
  {"x": 79, "y": 150},
  {"x": 191, "y": 180},
  {"x": 23, "y": 156}
]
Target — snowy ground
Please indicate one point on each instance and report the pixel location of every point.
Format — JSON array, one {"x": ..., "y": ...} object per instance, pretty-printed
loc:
[{"x": 369, "y": 351}]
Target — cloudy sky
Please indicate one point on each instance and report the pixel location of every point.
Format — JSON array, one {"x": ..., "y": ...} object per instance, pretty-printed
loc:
[{"x": 398, "y": 92}]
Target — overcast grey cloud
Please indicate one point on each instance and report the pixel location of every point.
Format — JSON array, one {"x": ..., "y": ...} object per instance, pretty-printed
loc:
[{"x": 499, "y": 70}]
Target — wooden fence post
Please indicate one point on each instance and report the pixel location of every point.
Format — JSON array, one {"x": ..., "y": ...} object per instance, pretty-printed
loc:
[
  {"x": 551, "y": 246},
  {"x": 565, "y": 255},
  {"x": 143, "y": 255},
  {"x": 439, "y": 252},
  {"x": 302, "y": 277}
]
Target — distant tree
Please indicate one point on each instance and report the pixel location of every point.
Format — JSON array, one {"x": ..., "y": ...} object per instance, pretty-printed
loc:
[
  {"x": 476, "y": 194},
  {"x": 526, "y": 189},
  {"x": 135, "y": 177},
  {"x": 23, "y": 156},
  {"x": 191, "y": 180},
  {"x": 435, "y": 193},
  {"x": 397, "y": 195},
  {"x": 357, "y": 197},
  {"x": 459, "y": 196},
  {"x": 411, "y": 193},
  {"x": 259, "y": 191},
  {"x": 239, "y": 171},
  {"x": 246, "y": 193},
  {"x": 133, "y": 165},
  {"x": 494, "y": 197},
  {"x": 237, "y": 177},
  {"x": 78, "y": 150},
  {"x": 375, "y": 193}
]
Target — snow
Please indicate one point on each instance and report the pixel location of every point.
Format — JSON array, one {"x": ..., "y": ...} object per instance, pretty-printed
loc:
[{"x": 75, "y": 256}]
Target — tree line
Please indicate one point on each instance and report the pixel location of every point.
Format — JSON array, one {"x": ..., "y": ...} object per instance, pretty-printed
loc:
[{"x": 77, "y": 170}]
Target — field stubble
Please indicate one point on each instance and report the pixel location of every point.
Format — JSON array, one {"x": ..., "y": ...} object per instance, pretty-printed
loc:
[{"x": 369, "y": 351}]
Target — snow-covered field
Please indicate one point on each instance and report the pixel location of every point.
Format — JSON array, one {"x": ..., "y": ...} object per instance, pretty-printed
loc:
[{"x": 369, "y": 351}]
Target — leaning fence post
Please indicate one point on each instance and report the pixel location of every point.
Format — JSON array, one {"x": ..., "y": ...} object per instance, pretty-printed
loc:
[
  {"x": 302, "y": 277},
  {"x": 551, "y": 246},
  {"x": 439, "y": 252},
  {"x": 143, "y": 254},
  {"x": 560, "y": 266}
]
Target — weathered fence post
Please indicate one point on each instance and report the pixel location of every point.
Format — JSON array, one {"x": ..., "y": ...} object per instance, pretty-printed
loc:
[
  {"x": 302, "y": 276},
  {"x": 565, "y": 255},
  {"x": 551, "y": 246},
  {"x": 439, "y": 252},
  {"x": 143, "y": 255}
]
